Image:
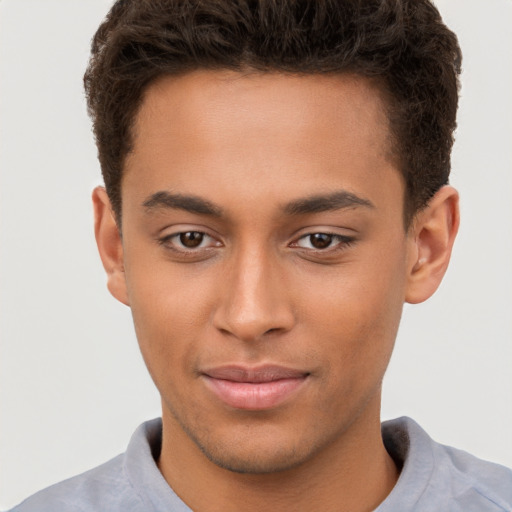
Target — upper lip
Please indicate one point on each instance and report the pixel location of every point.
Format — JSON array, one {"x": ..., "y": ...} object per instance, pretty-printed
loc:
[{"x": 267, "y": 373}]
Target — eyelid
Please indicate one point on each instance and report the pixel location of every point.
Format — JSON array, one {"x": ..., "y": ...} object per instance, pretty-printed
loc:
[
  {"x": 165, "y": 239},
  {"x": 343, "y": 240}
]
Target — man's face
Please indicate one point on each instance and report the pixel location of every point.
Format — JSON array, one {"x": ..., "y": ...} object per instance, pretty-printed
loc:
[{"x": 265, "y": 261}]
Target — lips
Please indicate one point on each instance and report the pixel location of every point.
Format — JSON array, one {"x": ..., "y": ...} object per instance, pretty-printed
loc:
[{"x": 254, "y": 388}]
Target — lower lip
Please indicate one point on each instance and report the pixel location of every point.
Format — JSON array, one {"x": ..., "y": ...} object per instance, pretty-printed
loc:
[{"x": 254, "y": 396}]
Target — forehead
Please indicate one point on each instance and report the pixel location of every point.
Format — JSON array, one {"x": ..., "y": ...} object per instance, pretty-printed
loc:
[
  {"x": 266, "y": 133},
  {"x": 267, "y": 102}
]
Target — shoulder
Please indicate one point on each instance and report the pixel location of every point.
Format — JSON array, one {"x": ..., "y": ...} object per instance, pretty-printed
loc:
[
  {"x": 105, "y": 487},
  {"x": 474, "y": 480},
  {"x": 435, "y": 475},
  {"x": 130, "y": 482}
]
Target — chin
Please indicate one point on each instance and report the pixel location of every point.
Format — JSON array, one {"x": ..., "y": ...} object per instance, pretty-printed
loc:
[
  {"x": 261, "y": 449},
  {"x": 255, "y": 461}
]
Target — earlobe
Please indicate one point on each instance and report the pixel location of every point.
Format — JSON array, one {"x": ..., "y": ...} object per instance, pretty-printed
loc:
[
  {"x": 109, "y": 244},
  {"x": 431, "y": 239}
]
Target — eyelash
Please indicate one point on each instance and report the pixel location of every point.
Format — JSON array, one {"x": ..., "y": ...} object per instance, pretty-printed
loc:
[
  {"x": 341, "y": 242},
  {"x": 167, "y": 242}
]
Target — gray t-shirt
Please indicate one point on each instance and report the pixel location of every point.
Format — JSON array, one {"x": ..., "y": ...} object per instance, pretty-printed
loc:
[{"x": 434, "y": 478}]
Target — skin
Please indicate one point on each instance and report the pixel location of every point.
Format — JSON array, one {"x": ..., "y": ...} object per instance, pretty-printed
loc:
[{"x": 235, "y": 159}]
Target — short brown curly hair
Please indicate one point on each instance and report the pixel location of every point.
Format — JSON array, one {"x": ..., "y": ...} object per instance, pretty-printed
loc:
[{"x": 403, "y": 44}]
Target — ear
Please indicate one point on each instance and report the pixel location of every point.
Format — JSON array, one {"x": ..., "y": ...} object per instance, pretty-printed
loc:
[
  {"x": 110, "y": 246},
  {"x": 431, "y": 238}
]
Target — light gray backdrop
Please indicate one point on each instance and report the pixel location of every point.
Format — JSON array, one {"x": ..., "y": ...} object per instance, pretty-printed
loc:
[{"x": 73, "y": 386}]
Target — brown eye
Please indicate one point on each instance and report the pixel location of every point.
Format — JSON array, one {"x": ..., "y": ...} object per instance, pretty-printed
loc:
[
  {"x": 323, "y": 241},
  {"x": 190, "y": 244},
  {"x": 191, "y": 239},
  {"x": 320, "y": 240}
]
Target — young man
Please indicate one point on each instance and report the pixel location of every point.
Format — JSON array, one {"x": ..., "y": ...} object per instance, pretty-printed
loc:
[{"x": 276, "y": 188}]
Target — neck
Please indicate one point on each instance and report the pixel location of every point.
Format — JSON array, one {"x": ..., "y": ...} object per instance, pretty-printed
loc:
[{"x": 355, "y": 473}]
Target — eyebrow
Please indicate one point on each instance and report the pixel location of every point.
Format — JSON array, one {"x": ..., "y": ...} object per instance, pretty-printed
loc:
[
  {"x": 189, "y": 203},
  {"x": 306, "y": 205},
  {"x": 323, "y": 203}
]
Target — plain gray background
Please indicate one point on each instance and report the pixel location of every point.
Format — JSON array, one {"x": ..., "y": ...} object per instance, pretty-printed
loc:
[{"x": 73, "y": 386}]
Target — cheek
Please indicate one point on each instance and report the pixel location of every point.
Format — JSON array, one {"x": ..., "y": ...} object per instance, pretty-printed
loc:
[
  {"x": 171, "y": 311},
  {"x": 356, "y": 314}
]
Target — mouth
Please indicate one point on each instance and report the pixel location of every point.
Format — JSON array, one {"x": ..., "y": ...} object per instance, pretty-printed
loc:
[{"x": 254, "y": 389}]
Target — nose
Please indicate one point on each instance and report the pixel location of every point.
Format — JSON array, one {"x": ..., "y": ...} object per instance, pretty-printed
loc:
[{"x": 255, "y": 300}]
